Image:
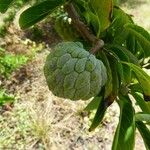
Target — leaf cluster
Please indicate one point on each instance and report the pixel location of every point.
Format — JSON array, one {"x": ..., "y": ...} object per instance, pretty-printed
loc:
[{"x": 10, "y": 62}]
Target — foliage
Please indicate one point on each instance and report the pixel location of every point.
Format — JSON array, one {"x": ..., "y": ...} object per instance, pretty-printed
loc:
[
  {"x": 126, "y": 46},
  {"x": 10, "y": 62},
  {"x": 5, "y": 98}
]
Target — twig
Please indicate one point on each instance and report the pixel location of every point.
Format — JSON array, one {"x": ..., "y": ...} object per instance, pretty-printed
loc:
[
  {"x": 83, "y": 29},
  {"x": 98, "y": 45}
]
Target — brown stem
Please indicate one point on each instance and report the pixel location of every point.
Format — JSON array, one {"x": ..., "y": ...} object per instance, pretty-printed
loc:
[
  {"x": 83, "y": 29},
  {"x": 98, "y": 45},
  {"x": 110, "y": 99}
]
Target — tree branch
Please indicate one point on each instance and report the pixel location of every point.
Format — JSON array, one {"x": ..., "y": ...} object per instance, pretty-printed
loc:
[
  {"x": 98, "y": 45},
  {"x": 83, "y": 29}
]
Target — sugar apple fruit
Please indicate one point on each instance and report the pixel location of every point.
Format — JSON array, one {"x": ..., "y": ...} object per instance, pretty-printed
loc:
[{"x": 73, "y": 73}]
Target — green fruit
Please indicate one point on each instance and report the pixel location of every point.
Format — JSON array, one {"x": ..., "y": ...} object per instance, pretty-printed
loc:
[{"x": 73, "y": 73}]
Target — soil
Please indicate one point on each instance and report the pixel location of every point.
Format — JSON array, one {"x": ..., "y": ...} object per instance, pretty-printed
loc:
[
  {"x": 67, "y": 124},
  {"x": 62, "y": 123}
]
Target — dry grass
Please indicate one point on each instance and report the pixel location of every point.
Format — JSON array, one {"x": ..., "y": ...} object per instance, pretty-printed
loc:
[
  {"x": 41, "y": 118},
  {"x": 52, "y": 123}
]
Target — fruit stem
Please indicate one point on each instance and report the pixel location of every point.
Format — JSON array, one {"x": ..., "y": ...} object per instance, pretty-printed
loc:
[
  {"x": 83, "y": 29},
  {"x": 97, "y": 46}
]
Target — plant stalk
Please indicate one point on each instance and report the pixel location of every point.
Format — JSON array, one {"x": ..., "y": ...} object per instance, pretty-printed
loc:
[{"x": 83, "y": 29}]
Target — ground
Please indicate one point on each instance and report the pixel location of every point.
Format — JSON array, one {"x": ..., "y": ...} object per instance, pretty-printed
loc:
[{"x": 40, "y": 121}]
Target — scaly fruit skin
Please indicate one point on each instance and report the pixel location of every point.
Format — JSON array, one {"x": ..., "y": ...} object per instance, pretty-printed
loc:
[{"x": 73, "y": 73}]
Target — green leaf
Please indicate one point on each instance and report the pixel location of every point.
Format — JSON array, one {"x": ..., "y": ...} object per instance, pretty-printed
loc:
[
  {"x": 93, "y": 104},
  {"x": 141, "y": 35},
  {"x": 120, "y": 53},
  {"x": 145, "y": 133},
  {"x": 120, "y": 71},
  {"x": 136, "y": 88},
  {"x": 115, "y": 80},
  {"x": 145, "y": 106},
  {"x": 93, "y": 20},
  {"x": 140, "y": 30},
  {"x": 5, "y": 98},
  {"x": 116, "y": 2},
  {"x": 119, "y": 13},
  {"x": 123, "y": 53},
  {"x": 38, "y": 12},
  {"x": 103, "y": 10},
  {"x": 127, "y": 74},
  {"x": 102, "y": 107},
  {"x": 116, "y": 70},
  {"x": 121, "y": 37},
  {"x": 131, "y": 43},
  {"x": 102, "y": 56},
  {"x": 142, "y": 77},
  {"x": 4, "y": 5},
  {"x": 106, "y": 102},
  {"x": 142, "y": 117},
  {"x": 99, "y": 115},
  {"x": 120, "y": 18},
  {"x": 125, "y": 132}
]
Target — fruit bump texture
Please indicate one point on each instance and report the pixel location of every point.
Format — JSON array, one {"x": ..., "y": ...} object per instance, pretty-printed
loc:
[{"x": 72, "y": 72}]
